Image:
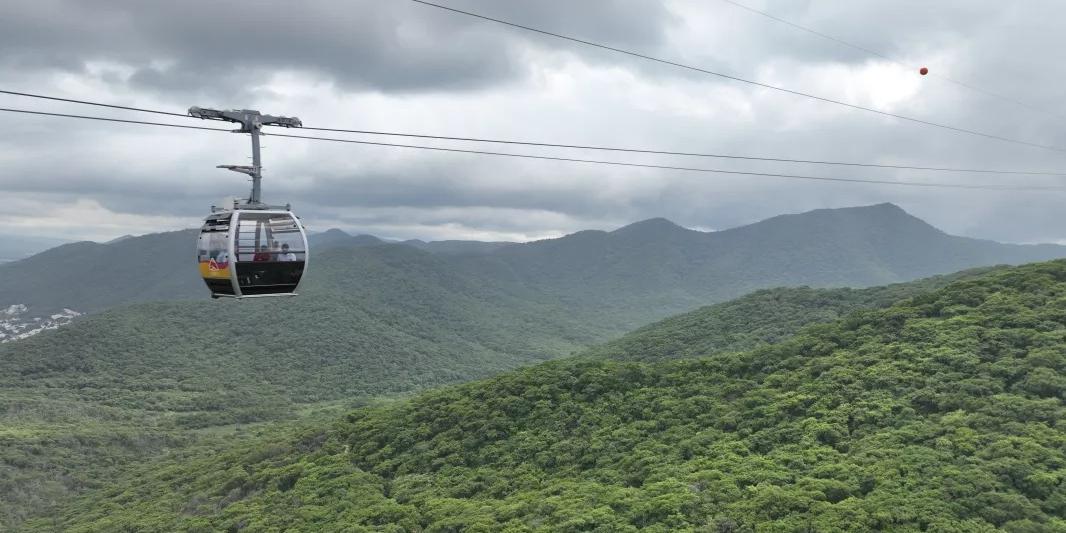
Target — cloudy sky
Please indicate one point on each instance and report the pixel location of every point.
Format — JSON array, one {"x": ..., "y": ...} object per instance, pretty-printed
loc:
[{"x": 395, "y": 65}]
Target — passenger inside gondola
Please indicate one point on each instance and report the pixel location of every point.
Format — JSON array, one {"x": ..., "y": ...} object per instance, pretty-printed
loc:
[
  {"x": 262, "y": 255},
  {"x": 286, "y": 255}
]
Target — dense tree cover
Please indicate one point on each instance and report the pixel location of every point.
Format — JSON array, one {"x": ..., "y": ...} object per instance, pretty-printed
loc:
[
  {"x": 941, "y": 413},
  {"x": 379, "y": 319},
  {"x": 763, "y": 317},
  {"x": 124, "y": 384}
]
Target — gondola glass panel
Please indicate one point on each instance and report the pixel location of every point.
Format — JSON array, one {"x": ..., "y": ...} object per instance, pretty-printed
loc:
[{"x": 271, "y": 252}]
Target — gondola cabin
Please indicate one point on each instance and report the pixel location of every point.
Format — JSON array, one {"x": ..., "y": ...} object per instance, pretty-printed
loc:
[{"x": 252, "y": 253}]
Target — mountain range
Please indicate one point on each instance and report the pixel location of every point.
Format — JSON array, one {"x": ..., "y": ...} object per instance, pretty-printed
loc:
[
  {"x": 661, "y": 268},
  {"x": 15, "y": 247},
  {"x": 625, "y": 277}
]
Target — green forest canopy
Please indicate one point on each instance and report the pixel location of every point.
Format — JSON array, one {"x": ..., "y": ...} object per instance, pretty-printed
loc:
[
  {"x": 763, "y": 317},
  {"x": 940, "y": 413},
  {"x": 123, "y": 385}
]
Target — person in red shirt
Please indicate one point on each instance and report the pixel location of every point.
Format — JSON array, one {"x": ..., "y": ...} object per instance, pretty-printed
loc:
[{"x": 262, "y": 255}]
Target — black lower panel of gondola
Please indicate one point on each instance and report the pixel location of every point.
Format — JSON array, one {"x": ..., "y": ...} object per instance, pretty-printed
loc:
[
  {"x": 269, "y": 277},
  {"x": 220, "y": 286}
]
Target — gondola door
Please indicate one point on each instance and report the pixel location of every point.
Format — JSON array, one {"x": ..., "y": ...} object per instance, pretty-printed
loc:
[
  {"x": 270, "y": 251},
  {"x": 214, "y": 256}
]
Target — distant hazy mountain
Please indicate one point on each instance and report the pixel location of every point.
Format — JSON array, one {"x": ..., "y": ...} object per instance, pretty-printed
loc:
[
  {"x": 623, "y": 278},
  {"x": 119, "y": 239},
  {"x": 15, "y": 247},
  {"x": 458, "y": 247},
  {"x": 333, "y": 238},
  {"x": 654, "y": 268},
  {"x": 88, "y": 276}
]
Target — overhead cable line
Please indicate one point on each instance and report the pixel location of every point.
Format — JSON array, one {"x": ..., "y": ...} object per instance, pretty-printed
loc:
[
  {"x": 671, "y": 167},
  {"x": 109, "y": 119},
  {"x": 687, "y": 154},
  {"x": 885, "y": 57},
  {"x": 563, "y": 159},
  {"x": 98, "y": 104},
  {"x": 744, "y": 80},
  {"x": 586, "y": 147}
]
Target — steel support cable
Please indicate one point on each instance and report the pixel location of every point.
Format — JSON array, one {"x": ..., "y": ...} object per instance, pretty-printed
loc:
[
  {"x": 564, "y": 159},
  {"x": 582, "y": 147},
  {"x": 671, "y": 167},
  {"x": 687, "y": 154},
  {"x": 109, "y": 119},
  {"x": 98, "y": 104}
]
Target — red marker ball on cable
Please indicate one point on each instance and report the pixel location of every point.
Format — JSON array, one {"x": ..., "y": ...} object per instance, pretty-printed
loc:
[{"x": 923, "y": 71}]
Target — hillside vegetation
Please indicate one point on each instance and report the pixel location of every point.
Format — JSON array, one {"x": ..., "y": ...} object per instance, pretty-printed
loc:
[
  {"x": 763, "y": 317},
  {"x": 377, "y": 319},
  {"x": 90, "y": 277},
  {"x": 941, "y": 413},
  {"x": 127, "y": 383}
]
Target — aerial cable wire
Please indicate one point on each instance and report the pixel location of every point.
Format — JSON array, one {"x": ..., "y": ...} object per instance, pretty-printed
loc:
[
  {"x": 687, "y": 154},
  {"x": 109, "y": 119},
  {"x": 98, "y": 104},
  {"x": 887, "y": 58},
  {"x": 584, "y": 147},
  {"x": 571, "y": 160},
  {"x": 744, "y": 80},
  {"x": 671, "y": 167}
]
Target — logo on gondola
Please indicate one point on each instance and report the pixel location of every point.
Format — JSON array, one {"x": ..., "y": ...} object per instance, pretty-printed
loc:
[{"x": 216, "y": 265}]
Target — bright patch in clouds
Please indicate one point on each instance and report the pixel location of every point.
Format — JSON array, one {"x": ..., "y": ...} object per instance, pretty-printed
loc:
[{"x": 83, "y": 219}]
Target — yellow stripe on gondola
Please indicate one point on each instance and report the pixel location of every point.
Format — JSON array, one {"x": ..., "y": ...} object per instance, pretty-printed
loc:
[{"x": 210, "y": 270}]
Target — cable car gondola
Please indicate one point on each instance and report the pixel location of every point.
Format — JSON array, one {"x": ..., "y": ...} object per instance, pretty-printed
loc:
[
  {"x": 251, "y": 249},
  {"x": 248, "y": 252}
]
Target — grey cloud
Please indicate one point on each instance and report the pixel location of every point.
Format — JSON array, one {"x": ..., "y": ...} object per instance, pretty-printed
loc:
[
  {"x": 471, "y": 77},
  {"x": 219, "y": 48}
]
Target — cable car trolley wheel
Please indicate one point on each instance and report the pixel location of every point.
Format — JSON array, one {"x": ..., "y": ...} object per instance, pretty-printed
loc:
[{"x": 252, "y": 253}]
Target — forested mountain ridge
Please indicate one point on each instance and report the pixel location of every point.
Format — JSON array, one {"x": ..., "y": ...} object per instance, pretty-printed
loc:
[
  {"x": 766, "y": 316},
  {"x": 15, "y": 247},
  {"x": 334, "y": 238},
  {"x": 655, "y": 268},
  {"x": 624, "y": 278},
  {"x": 90, "y": 277},
  {"x": 458, "y": 247},
  {"x": 941, "y": 413}
]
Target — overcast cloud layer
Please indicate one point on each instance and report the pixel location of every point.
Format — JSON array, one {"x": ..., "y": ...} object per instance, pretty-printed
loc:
[{"x": 395, "y": 65}]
